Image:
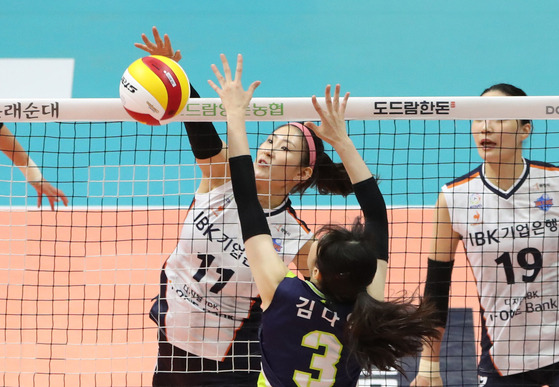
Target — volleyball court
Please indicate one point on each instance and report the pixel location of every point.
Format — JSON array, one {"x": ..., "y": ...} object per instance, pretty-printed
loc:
[{"x": 76, "y": 284}]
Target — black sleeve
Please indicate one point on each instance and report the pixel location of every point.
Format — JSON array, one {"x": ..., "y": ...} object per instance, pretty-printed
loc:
[
  {"x": 437, "y": 287},
  {"x": 374, "y": 209},
  {"x": 252, "y": 217},
  {"x": 203, "y": 138}
]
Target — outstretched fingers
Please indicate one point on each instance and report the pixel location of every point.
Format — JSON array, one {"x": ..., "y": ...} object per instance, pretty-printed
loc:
[
  {"x": 226, "y": 67},
  {"x": 328, "y": 97},
  {"x": 337, "y": 97},
  {"x": 148, "y": 44},
  {"x": 239, "y": 71},
  {"x": 332, "y": 121},
  {"x": 317, "y": 107},
  {"x": 176, "y": 55},
  {"x": 344, "y": 102},
  {"x": 159, "y": 46},
  {"x": 156, "y": 36},
  {"x": 219, "y": 77},
  {"x": 253, "y": 87},
  {"x": 227, "y": 73},
  {"x": 333, "y": 104}
]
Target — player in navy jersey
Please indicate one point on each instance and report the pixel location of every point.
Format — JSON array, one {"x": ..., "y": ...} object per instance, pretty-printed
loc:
[
  {"x": 324, "y": 331},
  {"x": 13, "y": 149},
  {"x": 505, "y": 212},
  {"x": 208, "y": 309}
]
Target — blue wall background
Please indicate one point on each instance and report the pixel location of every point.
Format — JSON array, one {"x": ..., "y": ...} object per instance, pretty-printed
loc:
[
  {"x": 295, "y": 47},
  {"x": 384, "y": 48}
]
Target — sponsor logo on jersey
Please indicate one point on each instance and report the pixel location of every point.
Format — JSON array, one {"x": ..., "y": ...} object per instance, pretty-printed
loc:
[
  {"x": 282, "y": 229},
  {"x": 539, "y": 186},
  {"x": 476, "y": 218},
  {"x": 219, "y": 209},
  {"x": 475, "y": 200},
  {"x": 544, "y": 202},
  {"x": 277, "y": 244}
]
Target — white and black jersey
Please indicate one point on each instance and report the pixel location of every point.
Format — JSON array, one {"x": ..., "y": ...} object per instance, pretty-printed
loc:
[
  {"x": 511, "y": 240},
  {"x": 207, "y": 294}
]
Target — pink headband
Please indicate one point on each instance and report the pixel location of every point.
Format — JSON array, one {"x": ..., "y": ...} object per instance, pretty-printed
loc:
[{"x": 310, "y": 141}]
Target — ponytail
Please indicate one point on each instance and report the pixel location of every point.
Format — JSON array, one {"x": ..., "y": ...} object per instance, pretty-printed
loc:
[{"x": 380, "y": 333}]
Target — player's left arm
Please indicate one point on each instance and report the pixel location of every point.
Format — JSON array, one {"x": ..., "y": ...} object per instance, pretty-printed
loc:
[
  {"x": 206, "y": 145},
  {"x": 333, "y": 131},
  {"x": 267, "y": 268}
]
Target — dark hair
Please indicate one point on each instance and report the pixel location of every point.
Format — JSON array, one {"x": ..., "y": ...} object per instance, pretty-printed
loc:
[
  {"x": 506, "y": 89},
  {"x": 328, "y": 177},
  {"x": 511, "y": 91},
  {"x": 346, "y": 260},
  {"x": 378, "y": 333}
]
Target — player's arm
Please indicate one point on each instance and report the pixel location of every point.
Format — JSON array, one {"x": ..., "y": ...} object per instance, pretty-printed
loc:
[
  {"x": 208, "y": 148},
  {"x": 11, "y": 147},
  {"x": 267, "y": 267},
  {"x": 333, "y": 131},
  {"x": 437, "y": 289},
  {"x": 300, "y": 260}
]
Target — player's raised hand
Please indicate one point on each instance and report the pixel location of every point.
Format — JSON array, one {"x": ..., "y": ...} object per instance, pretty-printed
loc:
[
  {"x": 332, "y": 128},
  {"x": 233, "y": 96},
  {"x": 159, "y": 46}
]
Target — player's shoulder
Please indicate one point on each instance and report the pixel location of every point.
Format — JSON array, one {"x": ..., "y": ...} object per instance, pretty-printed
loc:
[
  {"x": 473, "y": 174},
  {"x": 542, "y": 165},
  {"x": 293, "y": 216}
]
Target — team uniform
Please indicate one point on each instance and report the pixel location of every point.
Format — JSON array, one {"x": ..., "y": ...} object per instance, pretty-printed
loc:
[
  {"x": 208, "y": 304},
  {"x": 512, "y": 244},
  {"x": 302, "y": 339},
  {"x": 302, "y": 335}
]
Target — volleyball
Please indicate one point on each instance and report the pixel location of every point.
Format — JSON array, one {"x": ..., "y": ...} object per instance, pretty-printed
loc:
[{"x": 154, "y": 89}]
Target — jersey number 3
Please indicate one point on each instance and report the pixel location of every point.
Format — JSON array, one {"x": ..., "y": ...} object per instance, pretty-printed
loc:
[{"x": 325, "y": 363}]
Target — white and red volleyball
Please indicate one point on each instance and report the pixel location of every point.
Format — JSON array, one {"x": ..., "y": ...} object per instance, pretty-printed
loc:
[{"x": 154, "y": 89}]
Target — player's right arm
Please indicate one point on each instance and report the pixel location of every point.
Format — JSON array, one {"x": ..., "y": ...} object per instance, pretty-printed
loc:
[
  {"x": 208, "y": 148},
  {"x": 11, "y": 147},
  {"x": 437, "y": 288}
]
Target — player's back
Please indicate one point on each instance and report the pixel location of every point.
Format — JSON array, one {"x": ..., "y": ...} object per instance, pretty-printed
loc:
[{"x": 302, "y": 339}]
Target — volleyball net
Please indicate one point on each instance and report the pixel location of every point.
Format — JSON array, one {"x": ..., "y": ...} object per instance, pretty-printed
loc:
[{"x": 76, "y": 284}]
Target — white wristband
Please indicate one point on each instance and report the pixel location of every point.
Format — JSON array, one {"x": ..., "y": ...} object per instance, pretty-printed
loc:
[
  {"x": 428, "y": 368},
  {"x": 31, "y": 172}
]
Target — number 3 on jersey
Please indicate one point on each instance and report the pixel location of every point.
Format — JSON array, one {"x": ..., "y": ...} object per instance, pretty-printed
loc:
[{"x": 325, "y": 363}]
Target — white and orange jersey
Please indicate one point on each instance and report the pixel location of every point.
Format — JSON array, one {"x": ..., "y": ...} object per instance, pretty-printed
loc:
[
  {"x": 512, "y": 243},
  {"x": 208, "y": 294}
]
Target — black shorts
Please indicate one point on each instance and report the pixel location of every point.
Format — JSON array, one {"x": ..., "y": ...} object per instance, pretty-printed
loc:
[
  {"x": 176, "y": 367},
  {"x": 536, "y": 378}
]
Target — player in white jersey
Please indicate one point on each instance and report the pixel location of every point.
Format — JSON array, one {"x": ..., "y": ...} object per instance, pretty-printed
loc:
[
  {"x": 11, "y": 147},
  {"x": 505, "y": 212},
  {"x": 208, "y": 310},
  {"x": 323, "y": 331}
]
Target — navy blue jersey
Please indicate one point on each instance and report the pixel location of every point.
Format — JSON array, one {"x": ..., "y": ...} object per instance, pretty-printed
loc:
[{"x": 302, "y": 340}]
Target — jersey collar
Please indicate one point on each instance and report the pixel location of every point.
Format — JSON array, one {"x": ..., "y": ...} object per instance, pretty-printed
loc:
[{"x": 515, "y": 187}]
